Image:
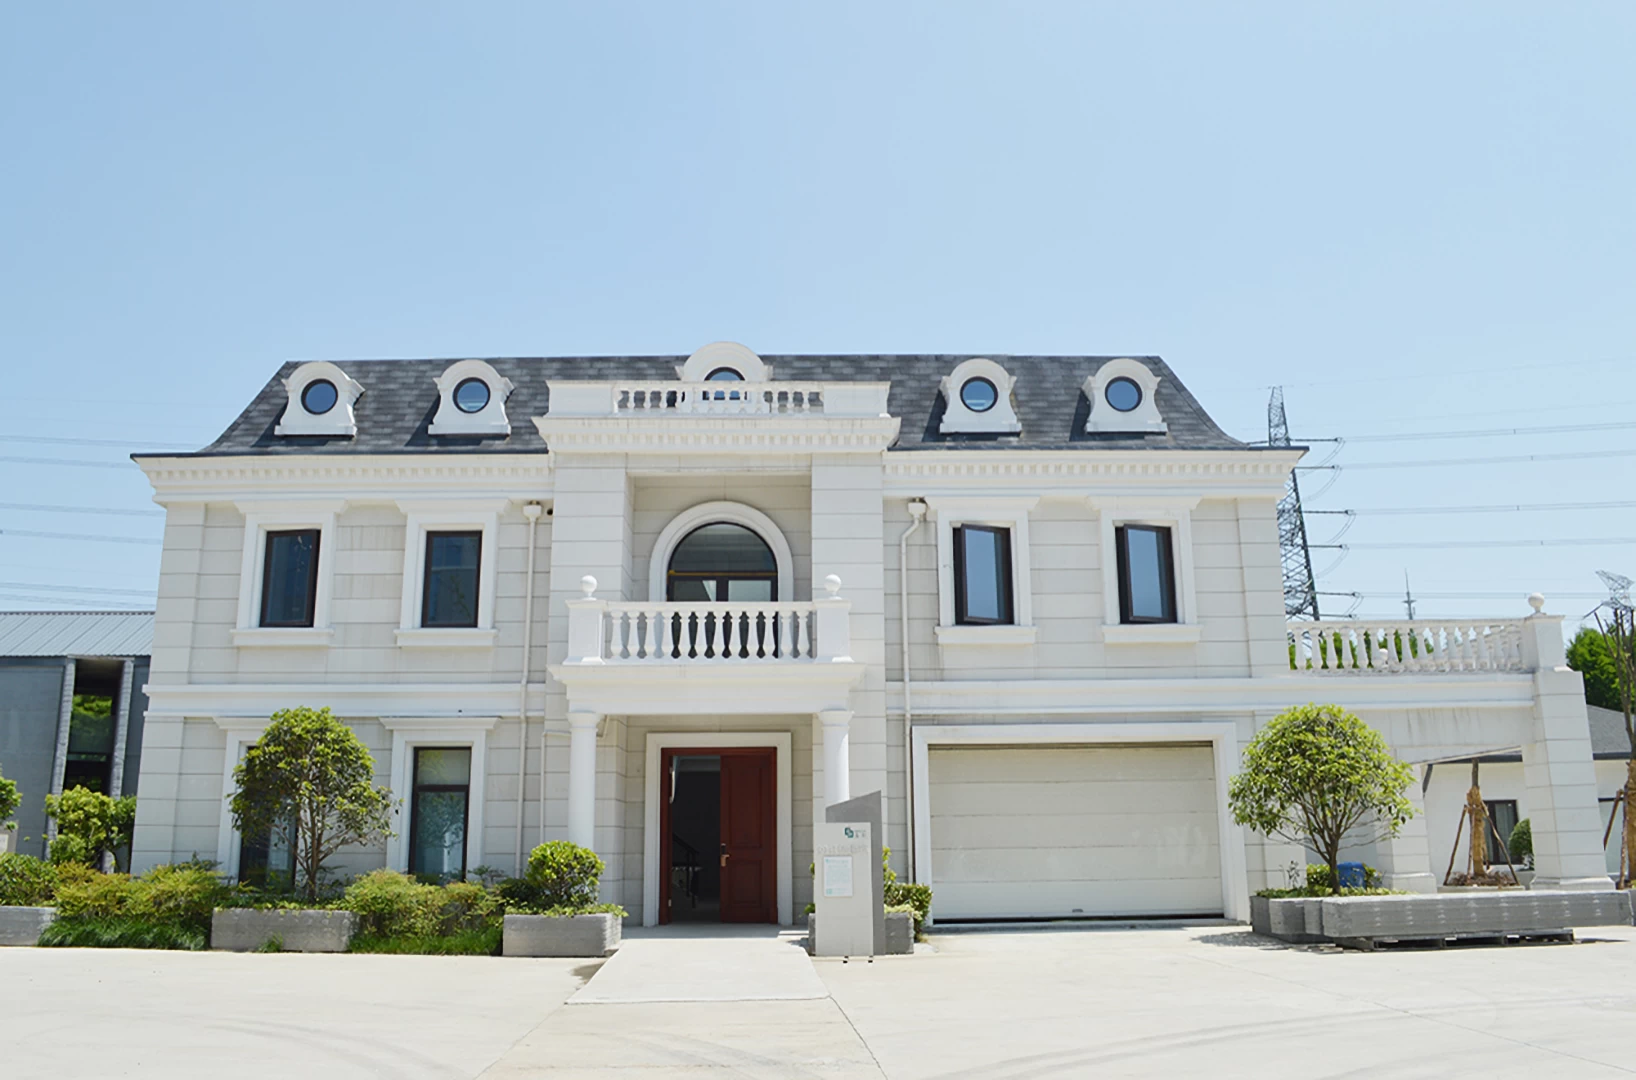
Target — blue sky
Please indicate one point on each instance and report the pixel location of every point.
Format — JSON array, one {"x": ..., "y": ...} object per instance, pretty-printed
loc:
[{"x": 1417, "y": 218}]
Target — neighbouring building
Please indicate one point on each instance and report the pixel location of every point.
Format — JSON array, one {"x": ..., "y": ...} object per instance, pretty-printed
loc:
[
  {"x": 670, "y": 607},
  {"x": 71, "y": 707}
]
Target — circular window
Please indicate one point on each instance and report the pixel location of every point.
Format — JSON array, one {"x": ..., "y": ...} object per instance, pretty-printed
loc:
[
  {"x": 472, "y": 395},
  {"x": 319, "y": 397},
  {"x": 978, "y": 395},
  {"x": 1123, "y": 394},
  {"x": 724, "y": 374}
]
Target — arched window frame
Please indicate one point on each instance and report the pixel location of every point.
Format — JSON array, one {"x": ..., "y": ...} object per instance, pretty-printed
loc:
[{"x": 713, "y": 513}]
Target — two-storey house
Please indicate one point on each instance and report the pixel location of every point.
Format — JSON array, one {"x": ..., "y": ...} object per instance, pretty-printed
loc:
[{"x": 671, "y": 607}]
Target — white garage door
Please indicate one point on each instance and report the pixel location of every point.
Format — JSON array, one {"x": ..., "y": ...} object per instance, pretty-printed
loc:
[{"x": 1071, "y": 831}]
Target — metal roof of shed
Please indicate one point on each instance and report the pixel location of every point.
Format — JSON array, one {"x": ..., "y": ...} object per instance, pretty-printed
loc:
[{"x": 76, "y": 633}]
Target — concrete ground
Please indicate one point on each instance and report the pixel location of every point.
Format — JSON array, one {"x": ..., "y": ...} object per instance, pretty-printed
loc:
[{"x": 998, "y": 1004}]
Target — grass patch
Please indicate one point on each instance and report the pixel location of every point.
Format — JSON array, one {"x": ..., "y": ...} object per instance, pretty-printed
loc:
[
  {"x": 122, "y": 932},
  {"x": 481, "y": 942}
]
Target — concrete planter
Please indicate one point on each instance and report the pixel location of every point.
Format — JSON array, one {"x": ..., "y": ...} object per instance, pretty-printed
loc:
[
  {"x": 23, "y": 925},
  {"x": 242, "y": 929},
  {"x": 1477, "y": 912},
  {"x": 1296, "y": 919},
  {"x": 900, "y": 932},
  {"x": 551, "y": 935}
]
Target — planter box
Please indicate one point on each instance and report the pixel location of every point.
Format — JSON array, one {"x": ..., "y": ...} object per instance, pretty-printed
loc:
[
  {"x": 242, "y": 929},
  {"x": 900, "y": 933},
  {"x": 22, "y": 925},
  {"x": 1488, "y": 911},
  {"x": 550, "y": 935},
  {"x": 1295, "y": 919}
]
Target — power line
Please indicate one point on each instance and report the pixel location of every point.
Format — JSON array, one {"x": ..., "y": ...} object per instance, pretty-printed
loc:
[
  {"x": 48, "y": 509},
  {"x": 1446, "y": 373},
  {"x": 39, "y": 586},
  {"x": 1421, "y": 545},
  {"x": 1483, "y": 433},
  {"x": 1518, "y": 595},
  {"x": 1496, "y": 509},
  {"x": 63, "y": 440},
  {"x": 69, "y": 461},
  {"x": 34, "y": 534},
  {"x": 1577, "y": 455}
]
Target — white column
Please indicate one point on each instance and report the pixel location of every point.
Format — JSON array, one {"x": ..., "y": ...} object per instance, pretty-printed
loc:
[
  {"x": 837, "y": 760},
  {"x": 59, "y": 764},
  {"x": 1557, "y": 767},
  {"x": 582, "y": 778},
  {"x": 1404, "y": 861},
  {"x": 122, "y": 727}
]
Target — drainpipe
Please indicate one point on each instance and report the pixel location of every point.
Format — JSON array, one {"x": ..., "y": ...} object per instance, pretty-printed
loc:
[
  {"x": 917, "y": 510},
  {"x": 531, "y": 511}
]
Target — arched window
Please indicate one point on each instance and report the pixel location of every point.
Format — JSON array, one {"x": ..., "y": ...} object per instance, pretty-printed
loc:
[{"x": 722, "y": 561}]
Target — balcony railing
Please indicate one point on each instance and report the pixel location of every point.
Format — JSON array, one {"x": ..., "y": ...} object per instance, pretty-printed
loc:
[
  {"x": 1368, "y": 647},
  {"x": 666, "y": 399},
  {"x": 730, "y": 633}
]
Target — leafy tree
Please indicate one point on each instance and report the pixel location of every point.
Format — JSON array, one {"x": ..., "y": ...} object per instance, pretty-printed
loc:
[
  {"x": 10, "y": 800},
  {"x": 1315, "y": 773},
  {"x": 1591, "y": 654},
  {"x": 90, "y": 825},
  {"x": 309, "y": 781},
  {"x": 1616, "y": 621}
]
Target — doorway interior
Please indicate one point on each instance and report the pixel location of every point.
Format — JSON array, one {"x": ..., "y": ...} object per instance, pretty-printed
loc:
[{"x": 718, "y": 832}]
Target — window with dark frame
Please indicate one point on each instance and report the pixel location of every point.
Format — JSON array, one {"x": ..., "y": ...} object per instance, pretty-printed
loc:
[
  {"x": 449, "y": 588},
  {"x": 1503, "y": 813},
  {"x": 982, "y": 576},
  {"x": 1147, "y": 576},
  {"x": 289, "y": 578},
  {"x": 439, "y": 811}
]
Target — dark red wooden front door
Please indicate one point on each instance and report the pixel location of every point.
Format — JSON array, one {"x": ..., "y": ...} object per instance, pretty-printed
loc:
[{"x": 749, "y": 838}]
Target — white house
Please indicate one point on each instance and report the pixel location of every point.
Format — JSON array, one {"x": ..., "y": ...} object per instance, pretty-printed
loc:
[{"x": 670, "y": 607}]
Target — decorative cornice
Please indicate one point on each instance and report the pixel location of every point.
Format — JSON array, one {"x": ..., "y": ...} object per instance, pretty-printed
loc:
[
  {"x": 1257, "y": 472},
  {"x": 357, "y": 477}
]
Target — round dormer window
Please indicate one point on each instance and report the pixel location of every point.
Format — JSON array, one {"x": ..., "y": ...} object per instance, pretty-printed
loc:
[
  {"x": 978, "y": 395},
  {"x": 319, "y": 397},
  {"x": 471, "y": 396},
  {"x": 1123, "y": 394},
  {"x": 724, "y": 374}
]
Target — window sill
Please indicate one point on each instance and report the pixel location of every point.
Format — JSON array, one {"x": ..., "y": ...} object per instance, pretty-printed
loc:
[
  {"x": 298, "y": 637},
  {"x": 432, "y": 637},
  {"x": 1151, "y": 634},
  {"x": 986, "y": 635}
]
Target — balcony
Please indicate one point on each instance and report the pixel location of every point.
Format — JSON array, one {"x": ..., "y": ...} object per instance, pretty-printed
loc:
[
  {"x": 1363, "y": 647},
  {"x": 637, "y": 657},
  {"x": 665, "y": 399}
]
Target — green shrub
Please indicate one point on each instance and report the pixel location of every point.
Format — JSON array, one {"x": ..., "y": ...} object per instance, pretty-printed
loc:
[
  {"x": 272, "y": 944},
  {"x": 466, "y": 906},
  {"x": 26, "y": 881},
  {"x": 184, "y": 894},
  {"x": 1520, "y": 845},
  {"x": 476, "y": 941},
  {"x": 89, "y": 824},
  {"x": 563, "y": 875},
  {"x": 390, "y": 904},
  {"x": 122, "y": 932},
  {"x": 10, "y": 800},
  {"x": 82, "y": 892},
  {"x": 1320, "y": 878},
  {"x": 916, "y": 898}
]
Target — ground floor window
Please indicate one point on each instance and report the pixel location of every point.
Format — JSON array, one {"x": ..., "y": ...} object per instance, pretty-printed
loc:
[
  {"x": 1503, "y": 813},
  {"x": 268, "y": 861},
  {"x": 438, "y": 813}
]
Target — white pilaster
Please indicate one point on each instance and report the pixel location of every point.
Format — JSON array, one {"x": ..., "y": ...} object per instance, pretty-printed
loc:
[
  {"x": 582, "y": 778},
  {"x": 837, "y": 759},
  {"x": 1404, "y": 861}
]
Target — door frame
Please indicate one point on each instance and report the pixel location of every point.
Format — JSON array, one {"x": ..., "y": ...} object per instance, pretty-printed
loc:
[
  {"x": 1222, "y": 737},
  {"x": 721, "y": 753},
  {"x": 659, "y": 741}
]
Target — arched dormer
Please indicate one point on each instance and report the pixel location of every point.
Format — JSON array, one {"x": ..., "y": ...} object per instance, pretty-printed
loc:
[
  {"x": 739, "y": 556},
  {"x": 321, "y": 399},
  {"x": 721, "y": 361},
  {"x": 1124, "y": 399},
  {"x": 977, "y": 399},
  {"x": 471, "y": 401}
]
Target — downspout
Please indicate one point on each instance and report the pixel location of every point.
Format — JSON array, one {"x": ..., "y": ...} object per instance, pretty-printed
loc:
[
  {"x": 917, "y": 510},
  {"x": 532, "y": 512}
]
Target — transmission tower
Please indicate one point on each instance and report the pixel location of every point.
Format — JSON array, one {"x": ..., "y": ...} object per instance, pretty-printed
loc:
[{"x": 1300, "y": 589}]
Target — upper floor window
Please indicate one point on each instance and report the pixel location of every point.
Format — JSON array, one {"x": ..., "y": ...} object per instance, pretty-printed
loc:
[
  {"x": 982, "y": 575},
  {"x": 1147, "y": 578},
  {"x": 722, "y": 561},
  {"x": 289, "y": 578},
  {"x": 450, "y": 593}
]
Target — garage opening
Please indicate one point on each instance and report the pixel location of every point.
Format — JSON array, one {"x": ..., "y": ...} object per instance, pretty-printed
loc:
[{"x": 1075, "y": 832}]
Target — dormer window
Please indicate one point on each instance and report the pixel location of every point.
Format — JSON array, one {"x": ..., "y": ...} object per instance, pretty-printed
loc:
[
  {"x": 319, "y": 397},
  {"x": 1124, "y": 399},
  {"x": 723, "y": 361},
  {"x": 1123, "y": 394},
  {"x": 472, "y": 400},
  {"x": 724, "y": 374},
  {"x": 977, "y": 399}
]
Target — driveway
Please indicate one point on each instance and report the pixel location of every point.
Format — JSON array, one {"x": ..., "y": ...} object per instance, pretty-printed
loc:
[{"x": 998, "y": 1004}]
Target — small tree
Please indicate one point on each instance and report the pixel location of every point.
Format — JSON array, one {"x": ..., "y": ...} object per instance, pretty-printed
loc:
[
  {"x": 10, "y": 800},
  {"x": 1315, "y": 773},
  {"x": 309, "y": 781},
  {"x": 1591, "y": 654},
  {"x": 90, "y": 825}
]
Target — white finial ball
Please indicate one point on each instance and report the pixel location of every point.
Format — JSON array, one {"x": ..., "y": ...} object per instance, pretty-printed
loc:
[
  {"x": 832, "y": 585},
  {"x": 1537, "y": 602},
  {"x": 587, "y": 584}
]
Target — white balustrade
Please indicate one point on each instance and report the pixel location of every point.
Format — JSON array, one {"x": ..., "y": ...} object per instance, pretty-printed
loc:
[
  {"x": 660, "y": 398},
  {"x": 710, "y": 632},
  {"x": 1371, "y": 647}
]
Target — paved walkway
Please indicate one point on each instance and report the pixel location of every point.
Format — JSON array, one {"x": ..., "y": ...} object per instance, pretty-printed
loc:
[{"x": 705, "y": 963}]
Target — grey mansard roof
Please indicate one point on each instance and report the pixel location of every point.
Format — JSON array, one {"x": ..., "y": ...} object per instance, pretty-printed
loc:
[{"x": 399, "y": 400}]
